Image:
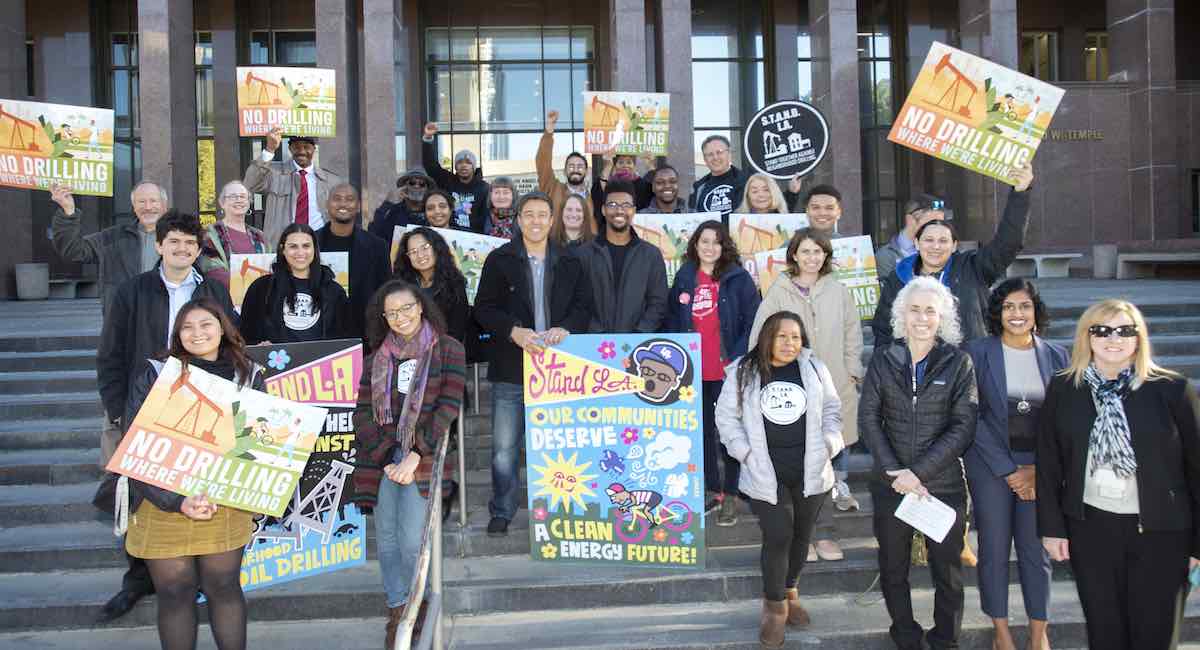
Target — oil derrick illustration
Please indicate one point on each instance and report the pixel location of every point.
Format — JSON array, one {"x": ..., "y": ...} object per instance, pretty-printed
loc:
[
  {"x": 15, "y": 138},
  {"x": 753, "y": 239},
  {"x": 607, "y": 110},
  {"x": 247, "y": 267},
  {"x": 315, "y": 512},
  {"x": 264, "y": 89},
  {"x": 200, "y": 412},
  {"x": 960, "y": 80}
]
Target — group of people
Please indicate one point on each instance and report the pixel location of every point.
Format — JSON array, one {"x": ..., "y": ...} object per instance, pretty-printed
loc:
[{"x": 960, "y": 377}]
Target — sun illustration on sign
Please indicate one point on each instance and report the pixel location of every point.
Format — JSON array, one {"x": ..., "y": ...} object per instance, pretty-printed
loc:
[{"x": 564, "y": 480}]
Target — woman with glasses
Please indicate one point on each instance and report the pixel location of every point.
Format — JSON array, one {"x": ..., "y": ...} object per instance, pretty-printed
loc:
[
  {"x": 1118, "y": 481},
  {"x": 410, "y": 392},
  {"x": 425, "y": 261},
  {"x": 230, "y": 234},
  {"x": 300, "y": 300}
]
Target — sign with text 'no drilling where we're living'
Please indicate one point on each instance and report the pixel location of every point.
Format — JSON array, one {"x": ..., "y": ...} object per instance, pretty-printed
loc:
[{"x": 786, "y": 138}]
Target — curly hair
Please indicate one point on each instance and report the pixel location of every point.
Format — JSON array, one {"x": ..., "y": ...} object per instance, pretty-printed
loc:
[
  {"x": 377, "y": 325},
  {"x": 729, "y": 253},
  {"x": 448, "y": 280},
  {"x": 174, "y": 220},
  {"x": 995, "y": 307},
  {"x": 949, "y": 327}
]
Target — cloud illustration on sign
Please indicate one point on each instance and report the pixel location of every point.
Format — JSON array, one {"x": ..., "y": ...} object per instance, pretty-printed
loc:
[{"x": 667, "y": 451}]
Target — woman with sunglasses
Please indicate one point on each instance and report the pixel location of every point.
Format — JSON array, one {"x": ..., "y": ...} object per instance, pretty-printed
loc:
[{"x": 1118, "y": 481}]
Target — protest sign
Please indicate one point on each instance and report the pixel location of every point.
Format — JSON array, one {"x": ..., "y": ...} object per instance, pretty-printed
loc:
[
  {"x": 976, "y": 114},
  {"x": 245, "y": 268},
  {"x": 320, "y": 531},
  {"x": 758, "y": 233},
  {"x": 786, "y": 138},
  {"x": 43, "y": 144},
  {"x": 469, "y": 249},
  {"x": 853, "y": 266},
  {"x": 197, "y": 433},
  {"x": 614, "y": 450},
  {"x": 626, "y": 123},
  {"x": 301, "y": 101},
  {"x": 670, "y": 234}
]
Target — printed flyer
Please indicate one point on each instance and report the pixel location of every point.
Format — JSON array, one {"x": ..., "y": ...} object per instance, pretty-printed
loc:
[
  {"x": 197, "y": 433},
  {"x": 320, "y": 531},
  {"x": 626, "y": 123},
  {"x": 43, "y": 144},
  {"x": 245, "y": 268},
  {"x": 469, "y": 249},
  {"x": 614, "y": 452},
  {"x": 974, "y": 113},
  {"x": 301, "y": 101},
  {"x": 670, "y": 233},
  {"x": 853, "y": 266}
]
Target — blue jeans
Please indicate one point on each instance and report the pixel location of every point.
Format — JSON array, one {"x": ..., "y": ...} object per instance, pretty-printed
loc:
[
  {"x": 508, "y": 432},
  {"x": 841, "y": 464},
  {"x": 399, "y": 525}
]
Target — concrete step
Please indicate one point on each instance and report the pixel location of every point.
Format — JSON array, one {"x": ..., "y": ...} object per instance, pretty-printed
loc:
[
  {"x": 51, "y": 433},
  {"x": 22, "y": 361},
  {"x": 50, "y": 405},
  {"x": 319, "y": 634},
  {"x": 23, "y": 342},
  {"x": 47, "y": 381},
  {"x": 49, "y": 466}
]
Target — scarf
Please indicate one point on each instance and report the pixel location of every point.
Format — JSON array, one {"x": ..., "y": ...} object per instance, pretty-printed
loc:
[
  {"x": 383, "y": 368},
  {"x": 503, "y": 221},
  {"x": 1109, "y": 443}
]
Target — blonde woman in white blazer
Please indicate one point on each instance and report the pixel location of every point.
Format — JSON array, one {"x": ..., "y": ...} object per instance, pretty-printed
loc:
[{"x": 779, "y": 415}]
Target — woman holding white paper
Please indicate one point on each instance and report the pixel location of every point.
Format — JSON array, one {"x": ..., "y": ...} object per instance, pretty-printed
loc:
[
  {"x": 780, "y": 417},
  {"x": 917, "y": 415},
  {"x": 189, "y": 543},
  {"x": 1118, "y": 481}
]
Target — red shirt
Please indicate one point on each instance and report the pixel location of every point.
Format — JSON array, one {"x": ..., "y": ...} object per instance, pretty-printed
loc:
[{"x": 707, "y": 322}]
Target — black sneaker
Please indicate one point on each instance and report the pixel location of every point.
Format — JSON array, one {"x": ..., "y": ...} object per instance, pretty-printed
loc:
[
  {"x": 712, "y": 501},
  {"x": 497, "y": 527}
]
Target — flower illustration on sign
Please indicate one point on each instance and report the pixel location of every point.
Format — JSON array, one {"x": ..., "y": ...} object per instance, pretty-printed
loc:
[
  {"x": 278, "y": 359},
  {"x": 648, "y": 433},
  {"x": 687, "y": 537},
  {"x": 539, "y": 513},
  {"x": 660, "y": 535},
  {"x": 549, "y": 551},
  {"x": 630, "y": 435},
  {"x": 607, "y": 350},
  {"x": 687, "y": 394}
]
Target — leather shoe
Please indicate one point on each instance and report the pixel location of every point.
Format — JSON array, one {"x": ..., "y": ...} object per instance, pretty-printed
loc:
[{"x": 119, "y": 605}]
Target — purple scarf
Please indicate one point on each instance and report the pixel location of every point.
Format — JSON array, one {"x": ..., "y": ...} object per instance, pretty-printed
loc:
[{"x": 383, "y": 368}]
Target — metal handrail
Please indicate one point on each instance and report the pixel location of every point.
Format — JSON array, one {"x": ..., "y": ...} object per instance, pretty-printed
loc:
[{"x": 429, "y": 562}]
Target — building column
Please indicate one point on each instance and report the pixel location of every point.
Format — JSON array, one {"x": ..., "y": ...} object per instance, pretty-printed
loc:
[
  {"x": 835, "y": 93},
  {"x": 382, "y": 28},
  {"x": 226, "y": 141},
  {"x": 675, "y": 74},
  {"x": 167, "y": 98},
  {"x": 1141, "y": 45},
  {"x": 785, "y": 16},
  {"x": 334, "y": 22},
  {"x": 16, "y": 203},
  {"x": 987, "y": 28},
  {"x": 627, "y": 45}
]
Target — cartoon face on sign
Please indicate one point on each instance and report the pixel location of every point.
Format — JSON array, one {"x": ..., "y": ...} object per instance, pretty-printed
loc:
[{"x": 665, "y": 367}]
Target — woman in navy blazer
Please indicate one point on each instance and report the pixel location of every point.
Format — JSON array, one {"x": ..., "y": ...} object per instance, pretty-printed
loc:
[{"x": 1012, "y": 368}]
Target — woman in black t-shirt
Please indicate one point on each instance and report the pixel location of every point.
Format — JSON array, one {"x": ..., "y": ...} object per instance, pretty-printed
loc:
[
  {"x": 782, "y": 420},
  {"x": 300, "y": 300}
]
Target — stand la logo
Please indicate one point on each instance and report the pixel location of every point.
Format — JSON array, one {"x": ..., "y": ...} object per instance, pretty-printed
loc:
[{"x": 786, "y": 138}]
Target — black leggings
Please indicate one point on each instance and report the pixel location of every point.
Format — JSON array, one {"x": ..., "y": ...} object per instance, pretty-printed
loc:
[
  {"x": 178, "y": 579},
  {"x": 787, "y": 528}
]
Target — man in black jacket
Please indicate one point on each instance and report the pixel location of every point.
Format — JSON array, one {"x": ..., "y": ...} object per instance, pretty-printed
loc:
[
  {"x": 138, "y": 326},
  {"x": 404, "y": 205},
  {"x": 720, "y": 190},
  {"x": 466, "y": 184},
  {"x": 532, "y": 294},
  {"x": 370, "y": 265},
  {"x": 628, "y": 276}
]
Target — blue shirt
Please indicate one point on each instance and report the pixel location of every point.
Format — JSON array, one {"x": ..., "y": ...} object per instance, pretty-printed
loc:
[{"x": 178, "y": 295}]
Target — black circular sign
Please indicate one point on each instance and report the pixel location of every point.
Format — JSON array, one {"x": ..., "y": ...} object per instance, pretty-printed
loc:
[{"x": 786, "y": 138}]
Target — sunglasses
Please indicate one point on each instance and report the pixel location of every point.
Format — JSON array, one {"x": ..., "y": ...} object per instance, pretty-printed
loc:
[{"x": 1104, "y": 331}]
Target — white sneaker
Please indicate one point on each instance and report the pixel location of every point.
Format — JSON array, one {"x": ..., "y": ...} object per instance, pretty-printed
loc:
[{"x": 843, "y": 498}]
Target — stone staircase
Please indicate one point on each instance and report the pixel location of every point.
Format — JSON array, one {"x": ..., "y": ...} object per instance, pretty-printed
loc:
[{"x": 60, "y": 561}]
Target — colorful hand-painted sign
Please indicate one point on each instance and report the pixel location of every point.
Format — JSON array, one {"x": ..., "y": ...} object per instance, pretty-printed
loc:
[
  {"x": 321, "y": 531},
  {"x": 974, "y": 113},
  {"x": 43, "y": 144},
  {"x": 301, "y": 101},
  {"x": 853, "y": 266},
  {"x": 786, "y": 138},
  {"x": 626, "y": 123},
  {"x": 469, "y": 249},
  {"x": 670, "y": 234},
  {"x": 759, "y": 233},
  {"x": 197, "y": 433},
  {"x": 245, "y": 268},
  {"x": 614, "y": 451}
]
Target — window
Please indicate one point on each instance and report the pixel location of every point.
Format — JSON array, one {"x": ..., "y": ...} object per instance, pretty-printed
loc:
[
  {"x": 804, "y": 54},
  {"x": 728, "y": 72},
  {"x": 119, "y": 91},
  {"x": 1039, "y": 55},
  {"x": 878, "y": 89},
  {"x": 206, "y": 171},
  {"x": 1095, "y": 56}
]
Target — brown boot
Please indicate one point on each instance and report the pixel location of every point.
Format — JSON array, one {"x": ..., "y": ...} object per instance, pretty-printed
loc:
[
  {"x": 395, "y": 616},
  {"x": 774, "y": 623},
  {"x": 797, "y": 616}
]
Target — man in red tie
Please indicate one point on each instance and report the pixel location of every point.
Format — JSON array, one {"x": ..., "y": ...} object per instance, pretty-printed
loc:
[{"x": 294, "y": 190}]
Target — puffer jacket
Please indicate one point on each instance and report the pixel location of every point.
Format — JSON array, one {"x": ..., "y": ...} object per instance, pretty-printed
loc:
[{"x": 926, "y": 430}]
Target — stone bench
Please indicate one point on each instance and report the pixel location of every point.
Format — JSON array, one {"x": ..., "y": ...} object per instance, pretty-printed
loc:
[
  {"x": 68, "y": 288},
  {"x": 1043, "y": 265},
  {"x": 1142, "y": 265}
]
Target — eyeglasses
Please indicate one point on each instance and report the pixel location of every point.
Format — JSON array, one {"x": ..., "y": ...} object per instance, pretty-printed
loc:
[
  {"x": 613, "y": 205},
  {"x": 419, "y": 250},
  {"x": 404, "y": 310},
  {"x": 651, "y": 373},
  {"x": 416, "y": 182},
  {"x": 1104, "y": 331},
  {"x": 236, "y": 197},
  {"x": 713, "y": 153}
]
